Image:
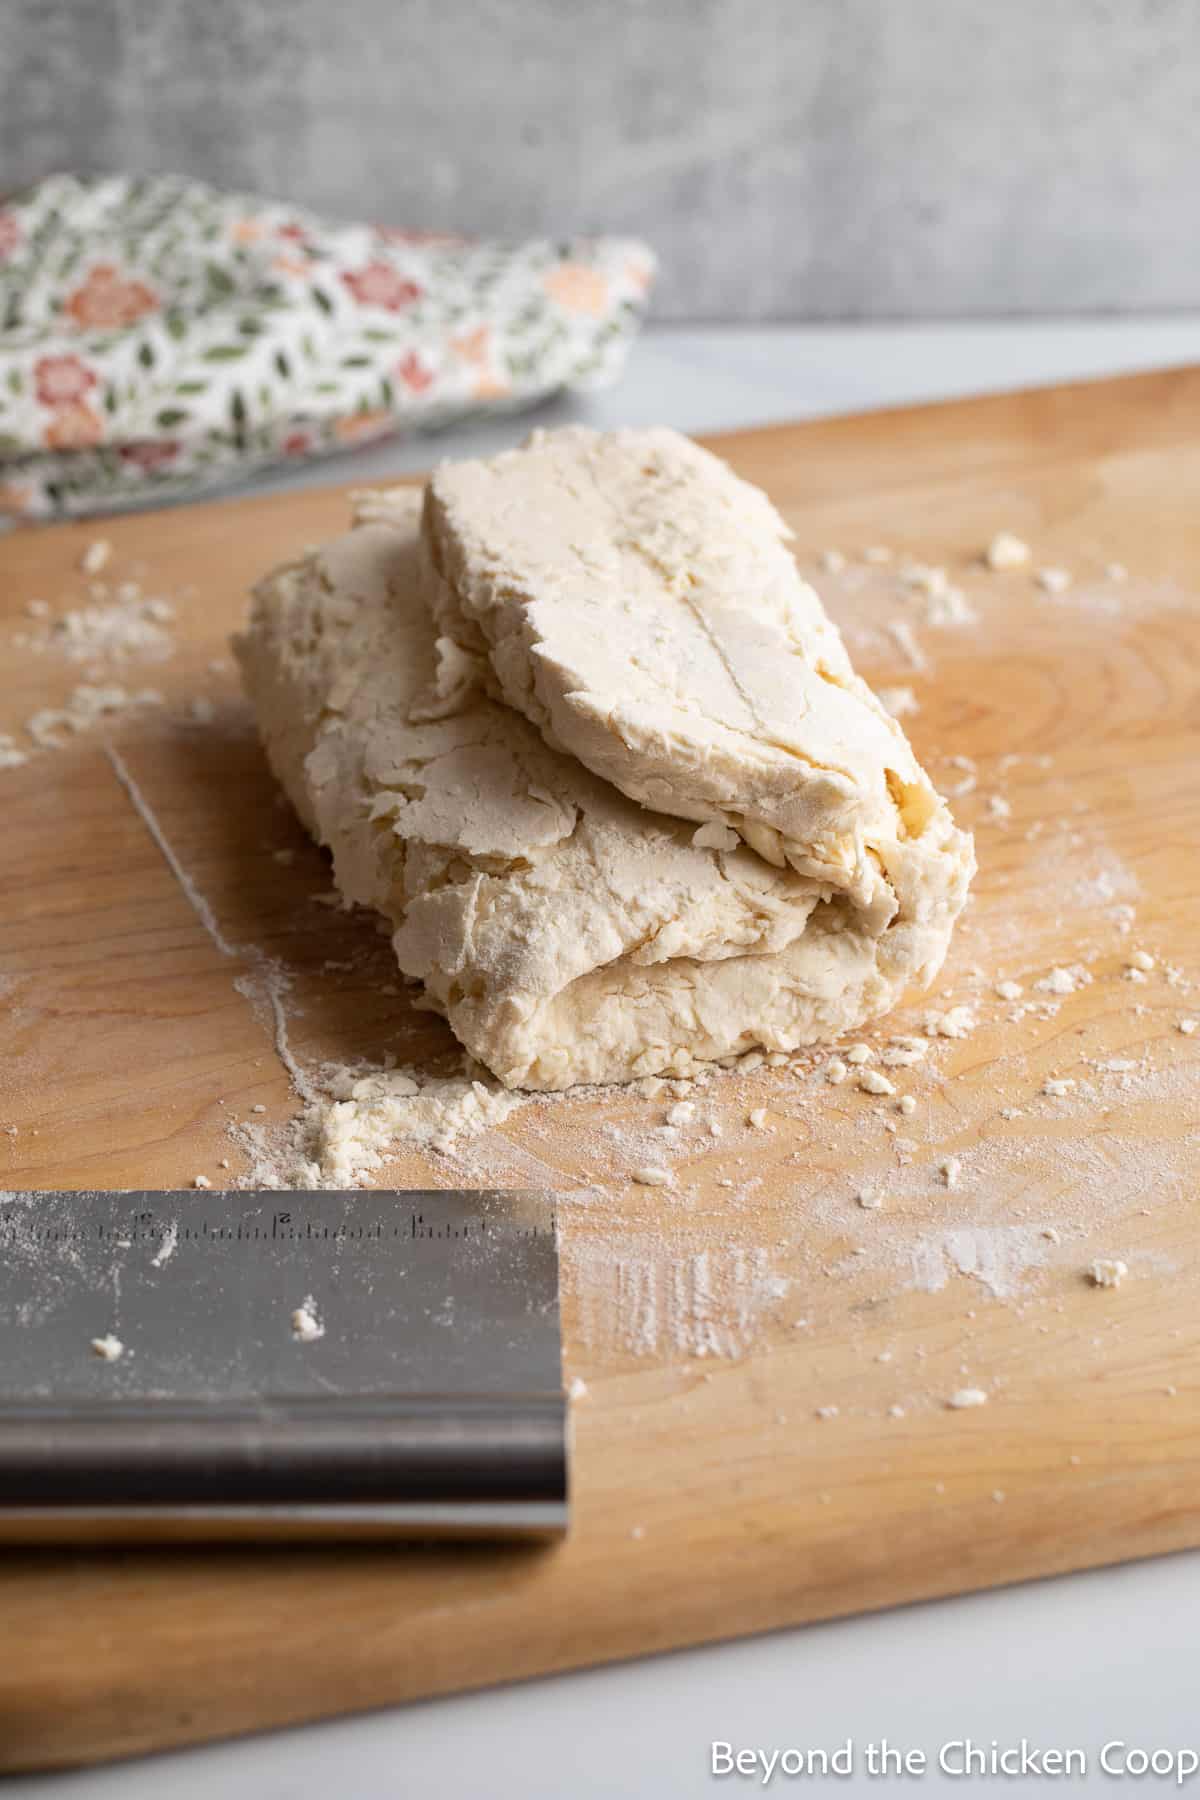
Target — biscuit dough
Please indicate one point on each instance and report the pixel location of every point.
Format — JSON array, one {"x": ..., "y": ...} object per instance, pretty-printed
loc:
[
  {"x": 638, "y": 603},
  {"x": 567, "y": 933}
]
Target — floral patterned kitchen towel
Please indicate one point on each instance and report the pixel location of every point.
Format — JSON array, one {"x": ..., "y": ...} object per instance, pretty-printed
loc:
[{"x": 158, "y": 337}]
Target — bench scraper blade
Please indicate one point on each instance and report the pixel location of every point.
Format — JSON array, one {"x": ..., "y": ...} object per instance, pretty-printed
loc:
[{"x": 203, "y": 1364}]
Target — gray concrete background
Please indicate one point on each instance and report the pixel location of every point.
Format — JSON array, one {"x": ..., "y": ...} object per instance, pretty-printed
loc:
[{"x": 789, "y": 159}]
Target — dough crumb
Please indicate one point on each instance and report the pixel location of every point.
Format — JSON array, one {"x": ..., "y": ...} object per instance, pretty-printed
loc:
[
  {"x": 836, "y": 1071},
  {"x": 201, "y": 1181},
  {"x": 1143, "y": 961},
  {"x": 758, "y": 1118},
  {"x": 1009, "y": 990},
  {"x": 901, "y": 702},
  {"x": 950, "y": 1169},
  {"x": 869, "y": 1201},
  {"x": 967, "y": 1396},
  {"x": 872, "y": 1082},
  {"x": 859, "y": 1053},
  {"x": 306, "y": 1324},
  {"x": 652, "y": 1176},
  {"x": 1006, "y": 551},
  {"x": 109, "y": 1348},
  {"x": 1187, "y": 1026},
  {"x": 907, "y": 1105},
  {"x": 1057, "y": 1086},
  {"x": 957, "y": 1022},
  {"x": 96, "y": 556},
  {"x": 682, "y": 1113},
  {"x": 895, "y": 1412},
  {"x": 827, "y": 1412},
  {"x": 1064, "y": 981},
  {"x": 1108, "y": 1271},
  {"x": 1054, "y": 581},
  {"x": 578, "y": 1389}
]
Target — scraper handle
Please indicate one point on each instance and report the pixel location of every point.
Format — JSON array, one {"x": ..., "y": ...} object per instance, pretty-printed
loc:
[{"x": 385, "y": 1466}]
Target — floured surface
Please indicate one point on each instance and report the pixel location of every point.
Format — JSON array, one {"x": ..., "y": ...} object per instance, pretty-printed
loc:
[{"x": 768, "y": 1358}]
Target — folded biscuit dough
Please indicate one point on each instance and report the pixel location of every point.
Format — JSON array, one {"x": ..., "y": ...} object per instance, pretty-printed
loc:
[{"x": 568, "y": 933}]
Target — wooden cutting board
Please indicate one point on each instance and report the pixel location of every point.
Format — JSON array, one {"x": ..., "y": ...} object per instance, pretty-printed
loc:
[{"x": 712, "y": 1324}]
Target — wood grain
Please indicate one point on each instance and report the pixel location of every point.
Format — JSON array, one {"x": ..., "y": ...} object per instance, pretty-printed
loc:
[{"x": 710, "y": 1500}]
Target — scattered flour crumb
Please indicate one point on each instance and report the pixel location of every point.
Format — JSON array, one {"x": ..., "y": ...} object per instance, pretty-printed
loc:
[
  {"x": 1142, "y": 960},
  {"x": 859, "y": 1053},
  {"x": 578, "y": 1389},
  {"x": 869, "y": 1200},
  {"x": 1057, "y": 1086},
  {"x": 758, "y": 1118},
  {"x": 682, "y": 1113},
  {"x": 96, "y": 556},
  {"x": 651, "y": 1175},
  {"x": 1116, "y": 571},
  {"x": 950, "y": 1169},
  {"x": 967, "y": 1396},
  {"x": 1108, "y": 1271},
  {"x": 950, "y": 607},
  {"x": 998, "y": 807},
  {"x": 1064, "y": 981},
  {"x": 907, "y": 1105},
  {"x": 1009, "y": 990},
  {"x": 836, "y": 1071},
  {"x": 85, "y": 707},
  {"x": 827, "y": 1412},
  {"x": 901, "y": 702},
  {"x": 1187, "y": 1026},
  {"x": 905, "y": 640},
  {"x": 109, "y": 1348},
  {"x": 1054, "y": 581},
  {"x": 1006, "y": 551},
  {"x": 877, "y": 554},
  {"x": 957, "y": 1022},
  {"x": 833, "y": 562},
  {"x": 872, "y": 1082},
  {"x": 201, "y": 1181},
  {"x": 306, "y": 1323}
]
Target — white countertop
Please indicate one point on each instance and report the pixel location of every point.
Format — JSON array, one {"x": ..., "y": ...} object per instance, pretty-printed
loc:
[{"x": 1069, "y": 1664}]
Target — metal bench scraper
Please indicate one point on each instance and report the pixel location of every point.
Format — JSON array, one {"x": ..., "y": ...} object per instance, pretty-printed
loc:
[{"x": 205, "y": 1364}]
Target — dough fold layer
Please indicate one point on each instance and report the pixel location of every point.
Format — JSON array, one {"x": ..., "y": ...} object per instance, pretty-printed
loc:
[
  {"x": 568, "y": 933},
  {"x": 638, "y": 603}
]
